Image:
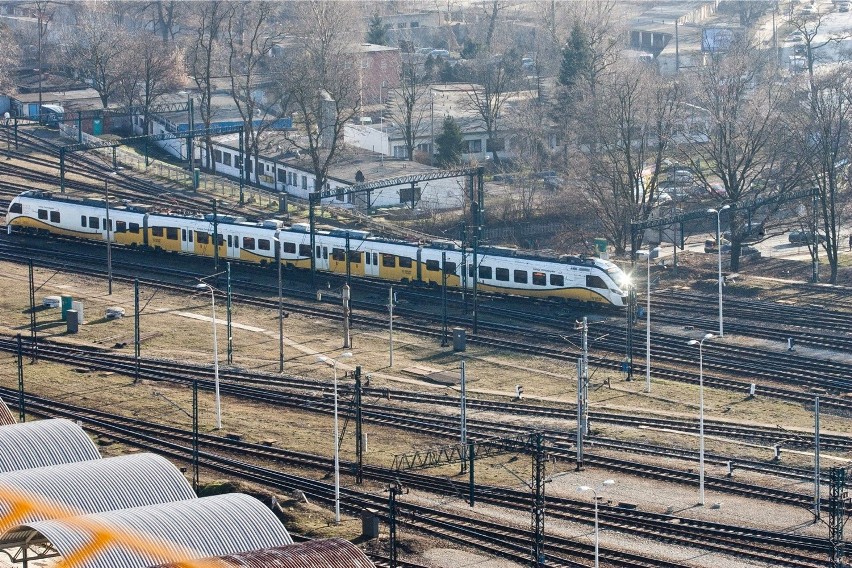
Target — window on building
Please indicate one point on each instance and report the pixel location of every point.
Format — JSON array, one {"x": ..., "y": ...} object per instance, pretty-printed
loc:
[
  {"x": 305, "y": 250},
  {"x": 289, "y": 248},
  {"x": 248, "y": 243},
  {"x": 404, "y": 262},
  {"x": 472, "y": 146},
  {"x": 264, "y": 244},
  {"x": 304, "y": 182},
  {"x": 502, "y": 274},
  {"x": 495, "y": 145},
  {"x": 539, "y": 279},
  {"x": 172, "y": 233},
  {"x": 388, "y": 261},
  {"x": 400, "y": 151},
  {"x": 557, "y": 280},
  {"x": 433, "y": 265},
  {"x": 521, "y": 276},
  {"x": 42, "y": 214},
  {"x": 484, "y": 272},
  {"x": 282, "y": 176},
  {"x": 338, "y": 192},
  {"x": 83, "y": 221}
]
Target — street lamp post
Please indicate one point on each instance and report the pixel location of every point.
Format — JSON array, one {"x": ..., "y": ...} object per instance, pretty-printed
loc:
[
  {"x": 595, "y": 492},
  {"x": 701, "y": 413},
  {"x": 205, "y": 286},
  {"x": 324, "y": 359},
  {"x": 648, "y": 329},
  {"x": 718, "y": 213}
]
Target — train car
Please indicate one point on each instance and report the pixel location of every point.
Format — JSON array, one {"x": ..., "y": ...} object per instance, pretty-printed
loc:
[{"x": 497, "y": 270}]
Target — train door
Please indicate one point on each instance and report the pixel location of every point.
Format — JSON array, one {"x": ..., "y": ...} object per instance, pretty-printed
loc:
[
  {"x": 321, "y": 254},
  {"x": 371, "y": 263},
  {"x": 233, "y": 244},
  {"x": 187, "y": 240}
]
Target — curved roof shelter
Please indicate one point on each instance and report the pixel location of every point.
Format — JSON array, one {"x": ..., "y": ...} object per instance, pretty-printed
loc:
[
  {"x": 326, "y": 553},
  {"x": 6, "y": 417},
  {"x": 43, "y": 443},
  {"x": 95, "y": 486},
  {"x": 210, "y": 526}
]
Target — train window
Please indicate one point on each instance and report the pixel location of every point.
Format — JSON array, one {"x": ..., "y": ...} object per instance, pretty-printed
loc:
[
  {"x": 304, "y": 250},
  {"x": 221, "y": 240},
  {"x": 217, "y": 156},
  {"x": 120, "y": 227},
  {"x": 484, "y": 272},
  {"x": 388, "y": 261},
  {"x": 367, "y": 260},
  {"x": 521, "y": 276},
  {"x": 42, "y": 214},
  {"x": 288, "y": 247},
  {"x": 227, "y": 158},
  {"x": 433, "y": 265},
  {"x": 134, "y": 228},
  {"x": 16, "y": 208},
  {"x": 470, "y": 270},
  {"x": 355, "y": 256},
  {"x": 202, "y": 237},
  {"x": 450, "y": 267},
  {"x": 104, "y": 224},
  {"x": 82, "y": 220},
  {"x": 502, "y": 274},
  {"x": 319, "y": 253},
  {"x": 404, "y": 262},
  {"x": 264, "y": 244},
  {"x": 557, "y": 280},
  {"x": 93, "y": 222},
  {"x": 595, "y": 282},
  {"x": 539, "y": 279},
  {"x": 54, "y": 216},
  {"x": 183, "y": 234},
  {"x": 157, "y": 231},
  {"x": 375, "y": 259},
  {"x": 248, "y": 243},
  {"x": 171, "y": 233},
  {"x": 190, "y": 236},
  {"x": 338, "y": 254}
]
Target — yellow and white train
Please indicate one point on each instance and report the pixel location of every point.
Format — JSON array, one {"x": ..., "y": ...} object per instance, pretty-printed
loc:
[{"x": 499, "y": 270}]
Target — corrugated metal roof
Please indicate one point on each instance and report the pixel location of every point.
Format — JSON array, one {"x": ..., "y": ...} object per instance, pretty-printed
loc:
[
  {"x": 211, "y": 526},
  {"x": 326, "y": 553},
  {"x": 6, "y": 417},
  {"x": 43, "y": 443},
  {"x": 99, "y": 485}
]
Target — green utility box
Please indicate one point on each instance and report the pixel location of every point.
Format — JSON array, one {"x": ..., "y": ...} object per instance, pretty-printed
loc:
[
  {"x": 67, "y": 304},
  {"x": 601, "y": 248}
]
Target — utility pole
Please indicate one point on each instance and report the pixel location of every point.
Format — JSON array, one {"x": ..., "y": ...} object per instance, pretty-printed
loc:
[
  {"x": 816, "y": 460},
  {"x": 22, "y": 417},
  {"x": 136, "y": 339},
  {"x": 33, "y": 331},
  {"x": 228, "y": 314},
  {"x": 390, "y": 326},
  {"x": 443, "y": 299},
  {"x": 347, "y": 340},
  {"x": 538, "y": 499},
  {"x": 359, "y": 429},
  {"x": 215, "y": 239},
  {"x": 837, "y": 501},
  {"x": 582, "y": 391},
  {"x": 463, "y": 416}
]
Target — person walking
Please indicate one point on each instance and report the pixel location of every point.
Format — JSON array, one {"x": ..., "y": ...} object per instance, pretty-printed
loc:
[{"x": 850, "y": 241}]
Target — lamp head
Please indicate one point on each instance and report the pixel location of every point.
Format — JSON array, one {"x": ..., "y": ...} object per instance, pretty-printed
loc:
[
  {"x": 709, "y": 336},
  {"x": 726, "y": 206},
  {"x": 202, "y": 286},
  {"x": 692, "y": 342},
  {"x": 713, "y": 211}
]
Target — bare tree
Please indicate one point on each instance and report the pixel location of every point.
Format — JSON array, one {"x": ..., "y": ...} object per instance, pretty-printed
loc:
[
  {"x": 205, "y": 60},
  {"x": 251, "y": 36},
  {"x": 326, "y": 96},
  {"x": 150, "y": 70},
  {"x": 94, "y": 48},
  {"x": 632, "y": 126},
  {"x": 164, "y": 17},
  {"x": 809, "y": 25},
  {"x": 8, "y": 60},
  {"x": 411, "y": 103},
  {"x": 742, "y": 142}
]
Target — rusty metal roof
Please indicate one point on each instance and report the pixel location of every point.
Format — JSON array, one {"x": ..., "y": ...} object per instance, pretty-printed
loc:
[
  {"x": 43, "y": 443},
  {"x": 95, "y": 486},
  {"x": 327, "y": 553},
  {"x": 208, "y": 527}
]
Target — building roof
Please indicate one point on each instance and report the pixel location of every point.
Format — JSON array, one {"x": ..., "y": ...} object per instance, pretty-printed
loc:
[
  {"x": 6, "y": 417},
  {"x": 44, "y": 443},
  {"x": 195, "y": 528},
  {"x": 95, "y": 486},
  {"x": 326, "y": 553}
]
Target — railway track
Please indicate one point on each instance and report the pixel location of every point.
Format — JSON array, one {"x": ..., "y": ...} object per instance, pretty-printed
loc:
[{"x": 776, "y": 549}]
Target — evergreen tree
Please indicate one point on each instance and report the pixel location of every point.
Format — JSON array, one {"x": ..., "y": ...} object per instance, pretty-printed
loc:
[
  {"x": 450, "y": 144},
  {"x": 377, "y": 33},
  {"x": 576, "y": 57}
]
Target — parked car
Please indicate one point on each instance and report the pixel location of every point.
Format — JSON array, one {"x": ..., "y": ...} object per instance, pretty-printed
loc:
[
  {"x": 808, "y": 10},
  {"x": 745, "y": 250},
  {"x": 802, "y": 237},
  {"x": 795, "y": 37}
]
